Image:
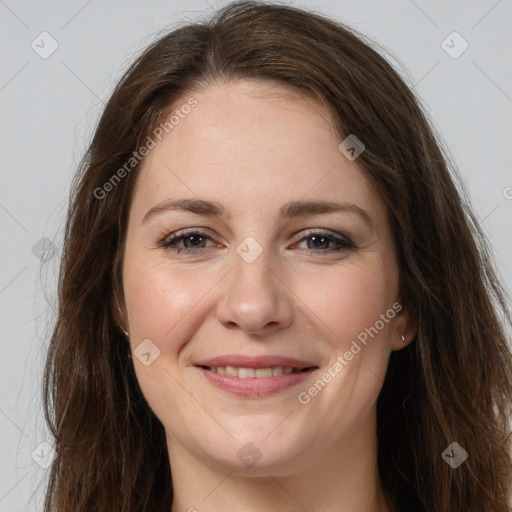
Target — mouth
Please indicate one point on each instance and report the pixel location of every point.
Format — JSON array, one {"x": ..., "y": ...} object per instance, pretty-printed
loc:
[
  {"x": 258, "y": 373},
  {"x": 255, "y": 383}
]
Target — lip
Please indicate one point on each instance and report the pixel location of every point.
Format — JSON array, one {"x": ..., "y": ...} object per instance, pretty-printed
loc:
[
  {"x": 255, "y": 362},
  {"x": 255, "y": 387}
]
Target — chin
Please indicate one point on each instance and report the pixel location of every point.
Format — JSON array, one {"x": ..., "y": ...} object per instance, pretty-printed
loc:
[{"x": 254, "y": 452}]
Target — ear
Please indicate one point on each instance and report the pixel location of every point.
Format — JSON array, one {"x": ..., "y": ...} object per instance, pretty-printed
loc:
[
  {"x": 404, "y": 327},
  {"x": 118, "y": 312}
]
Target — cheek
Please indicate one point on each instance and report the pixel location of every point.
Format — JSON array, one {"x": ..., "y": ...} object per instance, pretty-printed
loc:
[
  {"x": 348, "y": 300},
  {"x": 162, "y": 305},
  {"x": 158, "y": 299}
]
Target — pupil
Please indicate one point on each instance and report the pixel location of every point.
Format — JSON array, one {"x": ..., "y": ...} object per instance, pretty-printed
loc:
[
  {"x": 319, "y": 239},
  {"x": 189, "y": 239}
]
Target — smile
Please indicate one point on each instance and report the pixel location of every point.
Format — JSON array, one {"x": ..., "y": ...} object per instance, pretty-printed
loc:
[
  {"x": 259, "y": 373},
  {"x": 254, "y": 383}
]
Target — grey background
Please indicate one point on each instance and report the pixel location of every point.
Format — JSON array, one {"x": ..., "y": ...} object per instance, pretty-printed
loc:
[{"x": 49, "y": 108}]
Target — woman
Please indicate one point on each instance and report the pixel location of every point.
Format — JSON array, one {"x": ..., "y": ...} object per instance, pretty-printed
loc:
[{"x": 272, "y": 295}]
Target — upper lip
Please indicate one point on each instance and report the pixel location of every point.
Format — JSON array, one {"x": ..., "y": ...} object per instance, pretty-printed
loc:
[{"x": 242, "y": 361}]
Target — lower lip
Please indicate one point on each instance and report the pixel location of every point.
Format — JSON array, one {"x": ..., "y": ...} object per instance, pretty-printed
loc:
[{"x": 254, "y": 387}]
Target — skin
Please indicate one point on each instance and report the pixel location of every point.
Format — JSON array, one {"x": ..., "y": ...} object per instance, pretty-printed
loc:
[{"x": 252, "y": 146}]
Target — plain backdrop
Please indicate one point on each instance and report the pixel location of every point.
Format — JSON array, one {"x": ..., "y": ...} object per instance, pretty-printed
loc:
[{"x": 50, "y": 102}]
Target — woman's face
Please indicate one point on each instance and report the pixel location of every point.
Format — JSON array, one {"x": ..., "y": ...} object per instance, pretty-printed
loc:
[{"x": 264, "y": 270}]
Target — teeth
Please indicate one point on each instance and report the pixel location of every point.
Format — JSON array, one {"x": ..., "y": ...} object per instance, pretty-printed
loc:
[
  {"x": 261, "y": 373},
  {"x": 231, "y": 370},
  {"x": 243, "y": 373}
]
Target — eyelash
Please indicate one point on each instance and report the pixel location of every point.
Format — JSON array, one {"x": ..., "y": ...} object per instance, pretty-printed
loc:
[{"x": 170, "y": 241}]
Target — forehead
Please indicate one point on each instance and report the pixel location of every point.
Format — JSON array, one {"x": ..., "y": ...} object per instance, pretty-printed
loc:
[{"x": 251, "y": 142}]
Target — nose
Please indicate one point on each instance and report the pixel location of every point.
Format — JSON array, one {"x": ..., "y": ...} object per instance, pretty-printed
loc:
[{"x": 255, "y": 297}]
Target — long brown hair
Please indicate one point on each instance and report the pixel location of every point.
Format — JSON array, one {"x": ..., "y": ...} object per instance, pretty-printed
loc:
[{"x": 453, "y": 383}]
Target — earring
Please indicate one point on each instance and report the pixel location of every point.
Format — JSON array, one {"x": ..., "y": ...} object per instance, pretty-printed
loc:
[
  {"x": 125, "y": 333},
  {"x": 403, "y": 338}
]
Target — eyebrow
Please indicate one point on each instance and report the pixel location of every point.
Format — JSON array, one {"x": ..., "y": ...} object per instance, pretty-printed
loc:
[{"x": 290, "y": 210}]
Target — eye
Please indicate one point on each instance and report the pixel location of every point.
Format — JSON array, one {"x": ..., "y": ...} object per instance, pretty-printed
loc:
[
  {"x": 318, "y": 239},
  {"x": 194, "y": 241}
]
